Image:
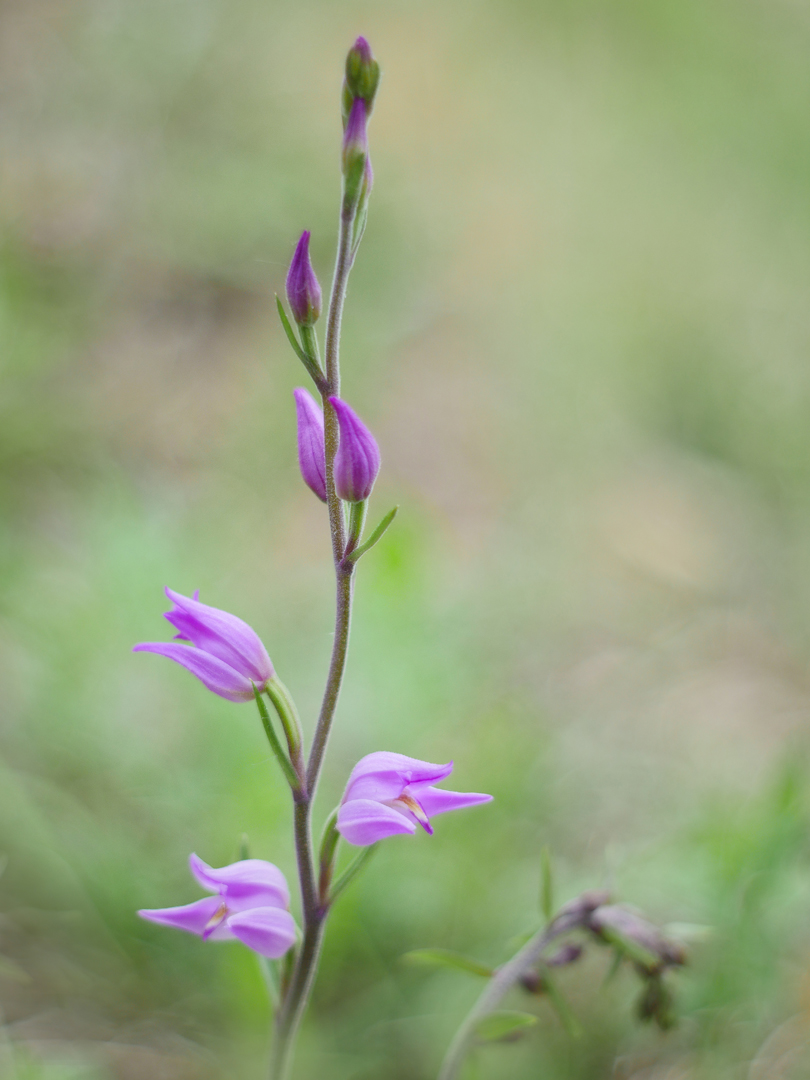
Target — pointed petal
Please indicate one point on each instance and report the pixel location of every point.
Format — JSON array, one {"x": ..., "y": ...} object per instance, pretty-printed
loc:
[
  {"x": 221, "y": 634},
  {"x": 311, "y": 452},
  {"x": 364, "y": 821},
  {"x": 357, "y": 461},
  {"x": 383, "y": 775},
  {"x": 269, "y": 931},
  {"x": 247, "y": 883},
  {"x": 216, "y": 675},
  {"x": 438, "y": 801},
  {"x": 190, "y": 917}
]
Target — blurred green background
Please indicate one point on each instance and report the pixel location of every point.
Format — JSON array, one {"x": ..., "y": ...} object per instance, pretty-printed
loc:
[{"x": 579, "y": 327}]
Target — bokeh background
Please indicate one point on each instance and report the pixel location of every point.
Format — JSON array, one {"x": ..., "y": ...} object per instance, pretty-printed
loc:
[{"x": 579, "y": 327}]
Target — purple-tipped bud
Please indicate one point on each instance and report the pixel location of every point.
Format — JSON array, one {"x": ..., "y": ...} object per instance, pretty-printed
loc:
[
  {"x": 355, "y": 137},
  {"x": 311, "y": 453},
  {"x": 303, "y": 290},
  {"x": 357, "y": 460},
  {"x": 362, "y": 77}
]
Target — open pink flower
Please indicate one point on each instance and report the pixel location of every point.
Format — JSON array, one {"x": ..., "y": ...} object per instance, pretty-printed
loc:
[
  {"x": 225, "y": 654},
  {"x": 390, "y": 793},
  {"x": 250, "y": 905}
]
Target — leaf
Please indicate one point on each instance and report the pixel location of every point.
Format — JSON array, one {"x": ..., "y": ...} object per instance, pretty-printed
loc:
[
  {"x": 502, "y": 1026},
  {"x": 561, "y": 1007},
  {"x": 315, "y": 372},
  {"x": 446, "y": 958},
  {"x": 353, "y": 556}
]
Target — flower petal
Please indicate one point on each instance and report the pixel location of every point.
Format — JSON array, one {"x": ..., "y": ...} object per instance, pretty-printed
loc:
[
  {"x": 247, "y": 883},
  {"x": 311, "y": 453},
  {"x": 364, "y": 821},
  {"x": 383, "y": 775},
  {"x": 269, "y": 931},
  {"x": 191, "y": 917},
  {"x": 216, "y": 675},
  {"x": 438, "y": 801},
  {"x": 221, "y": 634}
]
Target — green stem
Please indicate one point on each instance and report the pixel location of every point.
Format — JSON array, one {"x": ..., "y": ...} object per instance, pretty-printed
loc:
[
  {"x": 571, "y": 917},
  {"x": 306, "y": 963},
  {"x": 295, "y": 1001},
  {"x": 337, "y": 666},
  {"x": 357, "y": 519}
]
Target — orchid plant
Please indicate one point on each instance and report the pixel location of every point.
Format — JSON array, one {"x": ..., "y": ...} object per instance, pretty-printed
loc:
[{"x": 387, "y": 793}]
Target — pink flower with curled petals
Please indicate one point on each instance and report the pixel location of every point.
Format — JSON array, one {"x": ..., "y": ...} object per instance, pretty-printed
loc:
[
  {"x": 389, "y": 794},
  {"x": 250, "y": 905},
  {"x": 225, "y": 654}
]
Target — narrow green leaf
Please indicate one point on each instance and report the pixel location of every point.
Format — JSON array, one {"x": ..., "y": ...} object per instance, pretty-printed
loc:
[
  {"x": 351, "y": 872},
  {"x": 546, "y": 884},
  {"x": 353, "y": 556},
  {"x": 446, "y": 958},
  {"x": 315, "y": 372},
  {"x": 561, "y": 1007},
  {"x": 275, "y": 744},
  {"x": 504, "y": 1025}
]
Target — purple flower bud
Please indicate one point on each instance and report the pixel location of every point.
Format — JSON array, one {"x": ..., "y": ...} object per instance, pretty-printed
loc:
[
  {"x": 250, "y": 904},
  {"x": 303, "y": 290},
  {"x": 225, "y": 654},
  {"x": 355, "y": 137},
  {"x": 311, "y": 452},
  {"x": 357, "y": 460},
  {"x": 390, "y": 793},
  {"x": 362, "y": 77}
]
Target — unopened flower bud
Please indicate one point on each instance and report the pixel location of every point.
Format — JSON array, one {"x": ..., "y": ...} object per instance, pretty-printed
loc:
[
  {"x": 357, "y": 460},
  {"x": 303, "y": 291},
  {"x": 362, "y": 77},
  {"x": 355, "y": 138},
  {"x": 311, "y": 453}
]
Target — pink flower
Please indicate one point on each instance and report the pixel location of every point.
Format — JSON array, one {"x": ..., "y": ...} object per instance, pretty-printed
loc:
[
  {"x": 390, "y": 793},
  {"x": 311, "y": 452},
  {"x": 225, "y": 654},
  {"x": 357, "y": 461},
  {"x": 250, "y": 905}
]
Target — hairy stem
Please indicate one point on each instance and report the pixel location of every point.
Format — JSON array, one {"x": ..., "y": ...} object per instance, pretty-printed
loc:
[
  {"x": 295, "y": 1000},
  {"x": 306, "y": 963},
  {"x": 337, "y": 666}
]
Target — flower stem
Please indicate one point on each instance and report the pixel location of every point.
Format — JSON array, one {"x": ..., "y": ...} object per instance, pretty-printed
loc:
[
  {"x": 571, "y": 917},
  {"x": 306, "y": 962}
]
